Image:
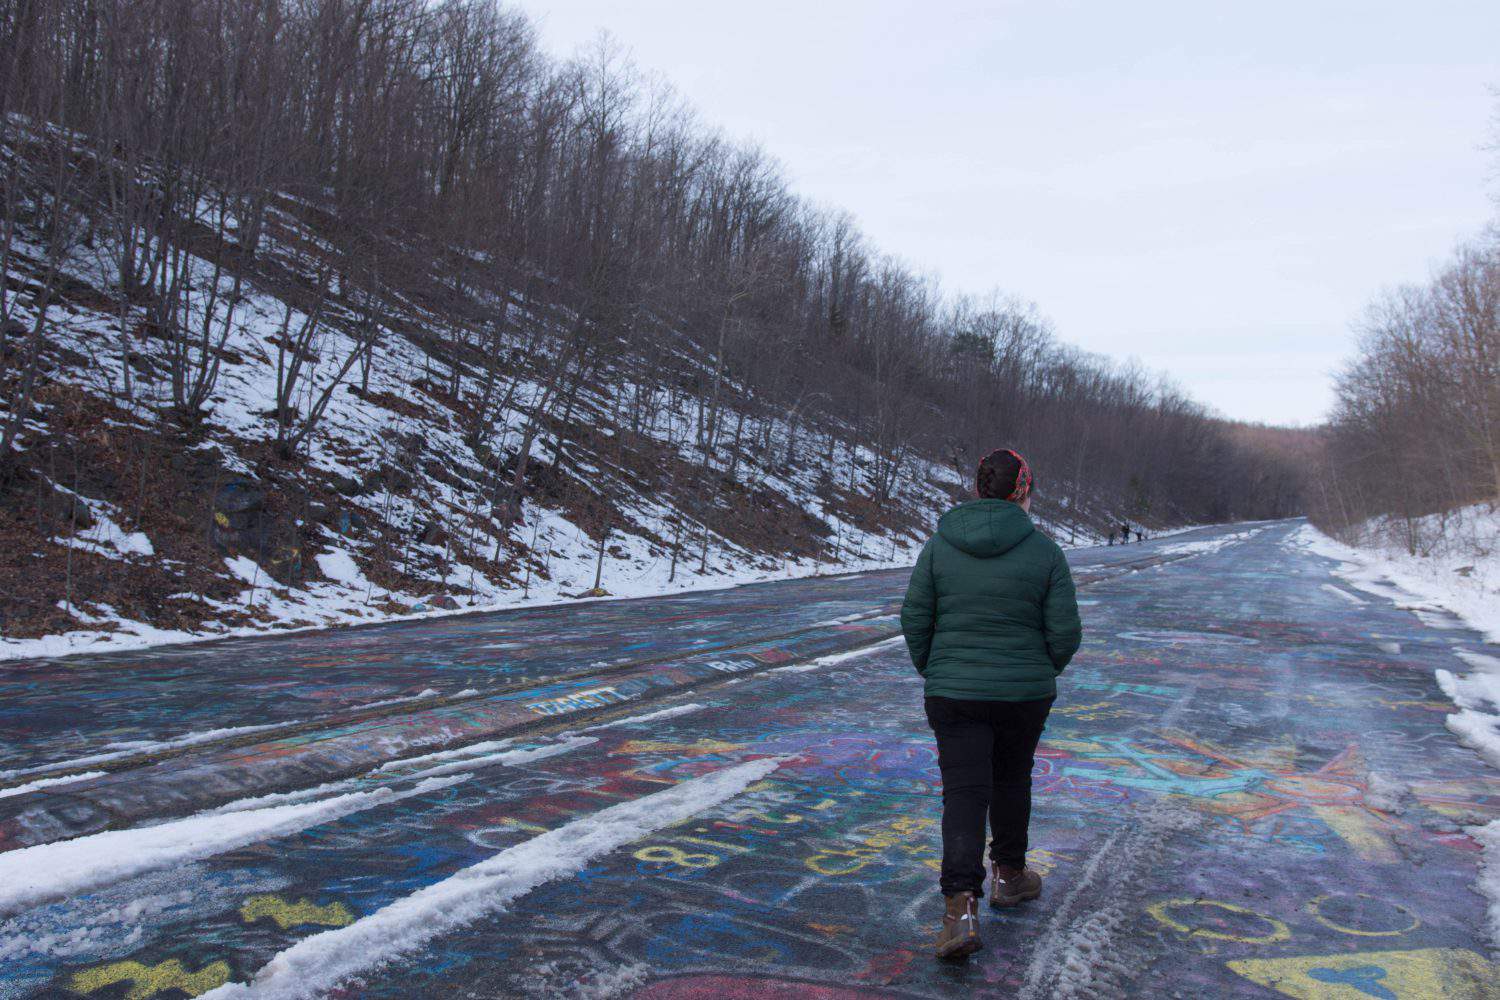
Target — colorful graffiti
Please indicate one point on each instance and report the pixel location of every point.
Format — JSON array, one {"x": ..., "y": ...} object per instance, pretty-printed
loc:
[
  {"x": 1204, "y": 828},
  {"x": 1384, "y": 975},
  {"x": 132, "y": 704},
  {"x": 149, "y": 981}
]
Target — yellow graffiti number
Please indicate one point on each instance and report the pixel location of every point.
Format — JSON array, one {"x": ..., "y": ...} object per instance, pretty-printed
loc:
[
  {"x": 663, "y": 853},
  {"x": 898, "y": 834},
  {"x": 824, "y": 862},
  {"x": 764, "y": 816}
]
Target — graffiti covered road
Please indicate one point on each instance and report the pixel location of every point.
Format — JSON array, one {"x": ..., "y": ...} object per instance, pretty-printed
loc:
[
  {"x": 1245, "y": 789},
  {"x": 87, "y": 711}
]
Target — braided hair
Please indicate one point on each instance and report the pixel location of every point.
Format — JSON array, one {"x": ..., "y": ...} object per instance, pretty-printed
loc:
[{"x": 1003, "y": 475}]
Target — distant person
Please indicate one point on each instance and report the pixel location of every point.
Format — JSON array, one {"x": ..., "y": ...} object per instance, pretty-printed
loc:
[
  {"x": 1125, "y": 534},
  {"x": 991, "y": 619},
  {"x": 1111, "y": 536}
]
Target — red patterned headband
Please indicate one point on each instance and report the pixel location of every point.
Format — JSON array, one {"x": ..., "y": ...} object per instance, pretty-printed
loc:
[
  {"x": 1023, "y": 474},
  {"x": 1023, "y": 478}
]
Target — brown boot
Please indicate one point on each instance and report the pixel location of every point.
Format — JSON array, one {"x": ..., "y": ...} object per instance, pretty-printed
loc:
[
  {"x": 1013, "y": 886},
  {"x": 959, "y": 937}
]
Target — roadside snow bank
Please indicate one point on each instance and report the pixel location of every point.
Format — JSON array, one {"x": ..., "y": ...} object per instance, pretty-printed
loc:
[
  {"x": 1424, "y": 584},
  {"x": 319, "y": 963},
  {"x": 1458, "y": 571},
  {"x": 1457, "y": 565},
  {"x": 345, "y": 599},
  {"x": 1489, "y": 872},
  {"x": 1477, "y": 696},
  {"x": 32, "y": 786}
]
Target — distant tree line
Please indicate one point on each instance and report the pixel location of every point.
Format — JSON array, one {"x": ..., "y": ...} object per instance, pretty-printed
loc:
[
  {"x": 430, "y": 141},
  {"x": 1416, "y": 424}
]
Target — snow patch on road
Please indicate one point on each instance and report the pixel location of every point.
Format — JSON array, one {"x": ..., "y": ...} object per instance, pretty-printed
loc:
[
  {"x": 1090, "y": 964},
  {"x": 666, "y": 713},
  {"x": 422, "y": 695},
  {"x": 33, "y": 875},
  {"x": 1206, "y": 546},
  {"x": 833, "y": 658},
  {"x": 560, "y": 979},
  {"x": 1080, "y": 954},
  {"x": 1341, "y": 592},
  {"x": 472, "y": 750},
  {"x": 113, "y": 921},
  {"x": 320, "y": 962},
  {"x": 135, "y": 748},
  {"x": 32, "y": 786},
  {"x": 507, "y": 758},
  {"x": 319, "y": 792},
  {"x": 465, "y": 759}
]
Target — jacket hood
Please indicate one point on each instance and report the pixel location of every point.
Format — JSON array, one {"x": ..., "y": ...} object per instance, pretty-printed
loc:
[{"x": 985, "y": 528}]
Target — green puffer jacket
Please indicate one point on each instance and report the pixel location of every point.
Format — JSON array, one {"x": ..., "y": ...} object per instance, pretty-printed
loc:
[{"x": 990, "y": 613}]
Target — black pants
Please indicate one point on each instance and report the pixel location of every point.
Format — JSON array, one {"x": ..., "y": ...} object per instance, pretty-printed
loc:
[{"x": 985, "y": 751}]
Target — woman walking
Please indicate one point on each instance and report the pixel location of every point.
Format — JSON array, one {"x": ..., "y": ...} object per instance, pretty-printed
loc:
[{"x": 991, "y": 619}]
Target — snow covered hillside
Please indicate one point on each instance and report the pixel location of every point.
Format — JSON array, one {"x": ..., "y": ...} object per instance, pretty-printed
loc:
[
  {"x": 150, "y": 533},
  {"x": 356, "y": 457}
]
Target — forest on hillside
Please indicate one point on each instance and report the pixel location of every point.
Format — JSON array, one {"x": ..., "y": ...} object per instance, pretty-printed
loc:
[
  {"x": 1415, "y": 433},
  {"x": 404, "y": 204}
]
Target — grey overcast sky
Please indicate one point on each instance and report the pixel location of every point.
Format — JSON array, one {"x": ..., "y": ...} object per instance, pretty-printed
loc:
[{"x": 1213, "y": 187}]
